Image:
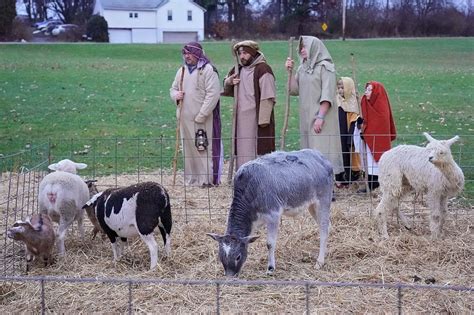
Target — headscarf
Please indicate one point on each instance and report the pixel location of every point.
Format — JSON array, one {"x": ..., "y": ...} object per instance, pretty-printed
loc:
[
  {"x": 379, "y": 128},
  {"x": 253, "y": 49},
  {"x": 317, "y": 54},
  {"x": 349, "y": 103},
  {"x": 249, "y": 46},
  {"x": 196, "y": 50}
]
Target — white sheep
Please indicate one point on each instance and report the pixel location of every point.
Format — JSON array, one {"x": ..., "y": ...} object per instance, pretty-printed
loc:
[
  {"x": 429, "y": 170},
  {"x": 62, "y": 195}
]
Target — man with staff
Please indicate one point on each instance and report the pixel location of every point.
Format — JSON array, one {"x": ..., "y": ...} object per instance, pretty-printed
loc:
[
  {"x": 196, "y": 91},
  {"x": 254, "y": 127}
]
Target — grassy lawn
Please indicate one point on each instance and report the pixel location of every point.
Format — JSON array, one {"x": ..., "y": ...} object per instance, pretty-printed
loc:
[{"x": 110, "y": 105}]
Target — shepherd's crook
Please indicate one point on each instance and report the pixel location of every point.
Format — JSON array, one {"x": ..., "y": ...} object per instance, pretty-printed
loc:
[
  {"x": 178, "y": 126},
  {"x": 287, "y": 108},
  {"x": 234, "y": 117}
]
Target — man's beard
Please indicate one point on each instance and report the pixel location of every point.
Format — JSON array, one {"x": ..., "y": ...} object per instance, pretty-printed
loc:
[{"x": 247, "y": 62}]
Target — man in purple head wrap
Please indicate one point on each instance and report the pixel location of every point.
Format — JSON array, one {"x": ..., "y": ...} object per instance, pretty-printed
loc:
[{"x": 196, "y": 87}]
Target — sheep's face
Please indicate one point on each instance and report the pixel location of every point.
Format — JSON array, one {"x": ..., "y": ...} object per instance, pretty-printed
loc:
[
  {"x": 439, "y": 153},
  {"x": 232, "y": 252}
]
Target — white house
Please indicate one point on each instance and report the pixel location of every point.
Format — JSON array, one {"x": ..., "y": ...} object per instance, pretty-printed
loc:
[{"x": 152, "y": 21}]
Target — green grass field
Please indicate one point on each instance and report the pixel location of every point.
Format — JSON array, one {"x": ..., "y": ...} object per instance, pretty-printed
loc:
[{"x": 89, "y": 99}]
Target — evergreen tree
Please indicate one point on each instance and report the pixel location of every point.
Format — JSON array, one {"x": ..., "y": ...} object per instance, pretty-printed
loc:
[{"x": 7, "y": 15}]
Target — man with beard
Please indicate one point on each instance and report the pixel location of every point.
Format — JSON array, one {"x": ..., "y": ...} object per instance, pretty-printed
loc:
[
  {"x": 196, "y": 88},
  {"x": 255, "y": 122}
]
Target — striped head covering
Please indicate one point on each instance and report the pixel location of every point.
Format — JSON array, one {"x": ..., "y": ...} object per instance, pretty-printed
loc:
[{"x": 196, "y": 50}]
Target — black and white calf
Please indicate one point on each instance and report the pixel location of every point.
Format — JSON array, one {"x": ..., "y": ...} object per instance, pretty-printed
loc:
[
  {"x": 267, "y": 187},
  {"x": 134, "y": 210}
]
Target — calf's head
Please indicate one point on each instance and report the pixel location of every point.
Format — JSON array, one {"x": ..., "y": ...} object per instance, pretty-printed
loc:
[{"x": 232, "y": 252}]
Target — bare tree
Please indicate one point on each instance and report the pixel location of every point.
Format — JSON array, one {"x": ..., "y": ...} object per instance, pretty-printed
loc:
[{"x": 73, "y": 11}]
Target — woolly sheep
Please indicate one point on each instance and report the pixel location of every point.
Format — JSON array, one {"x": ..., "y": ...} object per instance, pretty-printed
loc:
[
  {"x": 61, "y": 196},
  {"x": 429, "y": 170}
]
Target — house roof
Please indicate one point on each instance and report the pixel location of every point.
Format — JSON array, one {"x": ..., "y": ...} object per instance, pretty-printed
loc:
[{"x": 132, "y": 5}]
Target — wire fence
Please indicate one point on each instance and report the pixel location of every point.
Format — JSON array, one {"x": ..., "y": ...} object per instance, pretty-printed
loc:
[
  {"x": 123, "y": 161},
  {"x": 397, "y": 303}
]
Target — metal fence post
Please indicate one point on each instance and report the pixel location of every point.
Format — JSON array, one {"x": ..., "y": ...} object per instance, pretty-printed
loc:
[
  {"x": 43, "y": 311},
  {"x": 307, "y": 297},
  {"x": 218, "y": 296},
  {"x": 130, "y": 297},
  {"x": 399, "y": 294}
]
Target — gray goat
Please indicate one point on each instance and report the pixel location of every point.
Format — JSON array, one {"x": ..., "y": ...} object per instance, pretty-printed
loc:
[{"x": 267, "y": 187}]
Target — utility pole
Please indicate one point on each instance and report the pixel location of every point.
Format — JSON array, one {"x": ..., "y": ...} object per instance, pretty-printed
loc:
[{"x": 343, "y": 19}]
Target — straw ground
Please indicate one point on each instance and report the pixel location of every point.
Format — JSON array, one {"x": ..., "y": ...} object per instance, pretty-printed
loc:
[{"x": 355, "y": 254}]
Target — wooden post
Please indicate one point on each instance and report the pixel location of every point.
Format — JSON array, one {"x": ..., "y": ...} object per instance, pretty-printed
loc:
[
  {"x": 178, "y": 126},
  {"x": 234, "y": 116},
  {"x": 287, "y": 108}
]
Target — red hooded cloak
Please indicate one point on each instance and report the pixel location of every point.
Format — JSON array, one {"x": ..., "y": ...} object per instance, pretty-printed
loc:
[{"x": 378, "y": 127}]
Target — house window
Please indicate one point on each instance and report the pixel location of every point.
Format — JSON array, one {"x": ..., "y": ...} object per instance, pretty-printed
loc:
[
  {"x": 130, "y": 15},
  {"x": 190, "y": 15},
  {"x": 136, "y": 15},
  {"x": 170, "y": 15}
]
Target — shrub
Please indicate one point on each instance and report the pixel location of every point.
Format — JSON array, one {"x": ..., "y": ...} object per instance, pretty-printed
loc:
[
  {"x": 98, "y": 29},
  {"x": 21, "y": 30}
]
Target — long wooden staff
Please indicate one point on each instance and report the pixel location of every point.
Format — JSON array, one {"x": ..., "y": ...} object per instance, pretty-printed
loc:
[
  {"x": 234, "y": 116},
  {"x": 287, "y": 108},
  {"x": 363, "y": 151},
  {"x": 178, "y": 126}
]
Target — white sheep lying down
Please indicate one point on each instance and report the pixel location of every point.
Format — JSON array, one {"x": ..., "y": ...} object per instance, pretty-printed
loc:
[{"x": 429, "y": 170}]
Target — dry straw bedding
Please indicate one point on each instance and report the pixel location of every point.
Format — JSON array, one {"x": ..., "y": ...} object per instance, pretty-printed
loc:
[{"x": 355, "y": 254}]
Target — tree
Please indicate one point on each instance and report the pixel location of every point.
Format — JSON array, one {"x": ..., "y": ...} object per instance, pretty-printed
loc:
[
  {"x": 7, "y": 15},
  {"x": 98, "y": 29},
  {"x": 73, "y": 11}
]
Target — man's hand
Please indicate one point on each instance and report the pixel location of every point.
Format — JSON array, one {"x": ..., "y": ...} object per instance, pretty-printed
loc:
[
  {"x": 232, "y": 80},
  {"x": 179, "y": 95},
  {"x": 289, "y": 64},
  {"x": 318, "y": 125}
]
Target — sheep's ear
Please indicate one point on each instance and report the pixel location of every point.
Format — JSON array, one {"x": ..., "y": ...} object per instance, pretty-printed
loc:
[
  {"x": 215, "y": 236},
  {"x": 53, "y": 167},
  {"x": 80, "y": 166},
  {"x": 452, "y": 140},
  {"x": 427, "y": 136}
]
